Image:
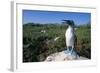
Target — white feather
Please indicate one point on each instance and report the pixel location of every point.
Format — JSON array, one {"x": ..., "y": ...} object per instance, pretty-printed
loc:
[
  {"x": 55, "y": 39},
  {"x": 70, "y": 36}
]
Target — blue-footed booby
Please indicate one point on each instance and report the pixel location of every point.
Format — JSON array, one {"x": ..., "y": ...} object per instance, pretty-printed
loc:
[{"x": 71, "y": 38}]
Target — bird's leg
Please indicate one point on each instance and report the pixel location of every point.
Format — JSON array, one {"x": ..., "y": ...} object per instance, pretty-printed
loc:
[
  {"x": 72, "y": 49},
  {"x": 68, "y": 48},
  {"x": 67, "y": 51}
]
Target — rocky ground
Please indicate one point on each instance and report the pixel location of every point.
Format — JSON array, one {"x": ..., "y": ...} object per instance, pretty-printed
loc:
[{"x": 62, "y": 56}]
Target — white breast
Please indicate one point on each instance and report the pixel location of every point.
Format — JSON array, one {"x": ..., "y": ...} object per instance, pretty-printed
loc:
[{"x": 70, "y": 36}]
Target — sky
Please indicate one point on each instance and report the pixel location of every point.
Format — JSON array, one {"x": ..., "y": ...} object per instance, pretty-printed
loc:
[{"x": 43, "y": 17}]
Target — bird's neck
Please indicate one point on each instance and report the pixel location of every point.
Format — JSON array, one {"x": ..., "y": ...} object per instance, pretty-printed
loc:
[{"x": 70, "y": 27}]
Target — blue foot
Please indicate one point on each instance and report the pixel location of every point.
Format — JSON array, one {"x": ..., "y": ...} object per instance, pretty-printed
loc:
[{"x": 66, "y": 51}]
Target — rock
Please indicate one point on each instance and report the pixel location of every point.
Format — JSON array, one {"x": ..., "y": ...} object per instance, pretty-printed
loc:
[{"x": 62, "y": 56}]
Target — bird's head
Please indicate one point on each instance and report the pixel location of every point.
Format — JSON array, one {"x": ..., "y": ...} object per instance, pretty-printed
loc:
[{"x": 68, "y": 22}]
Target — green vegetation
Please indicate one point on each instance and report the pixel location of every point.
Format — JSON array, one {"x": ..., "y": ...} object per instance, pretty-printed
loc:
[{"x": 38, "y": 41}]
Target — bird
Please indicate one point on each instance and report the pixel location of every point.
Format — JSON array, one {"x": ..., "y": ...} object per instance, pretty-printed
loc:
[{"x": 70, "y": 36}]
